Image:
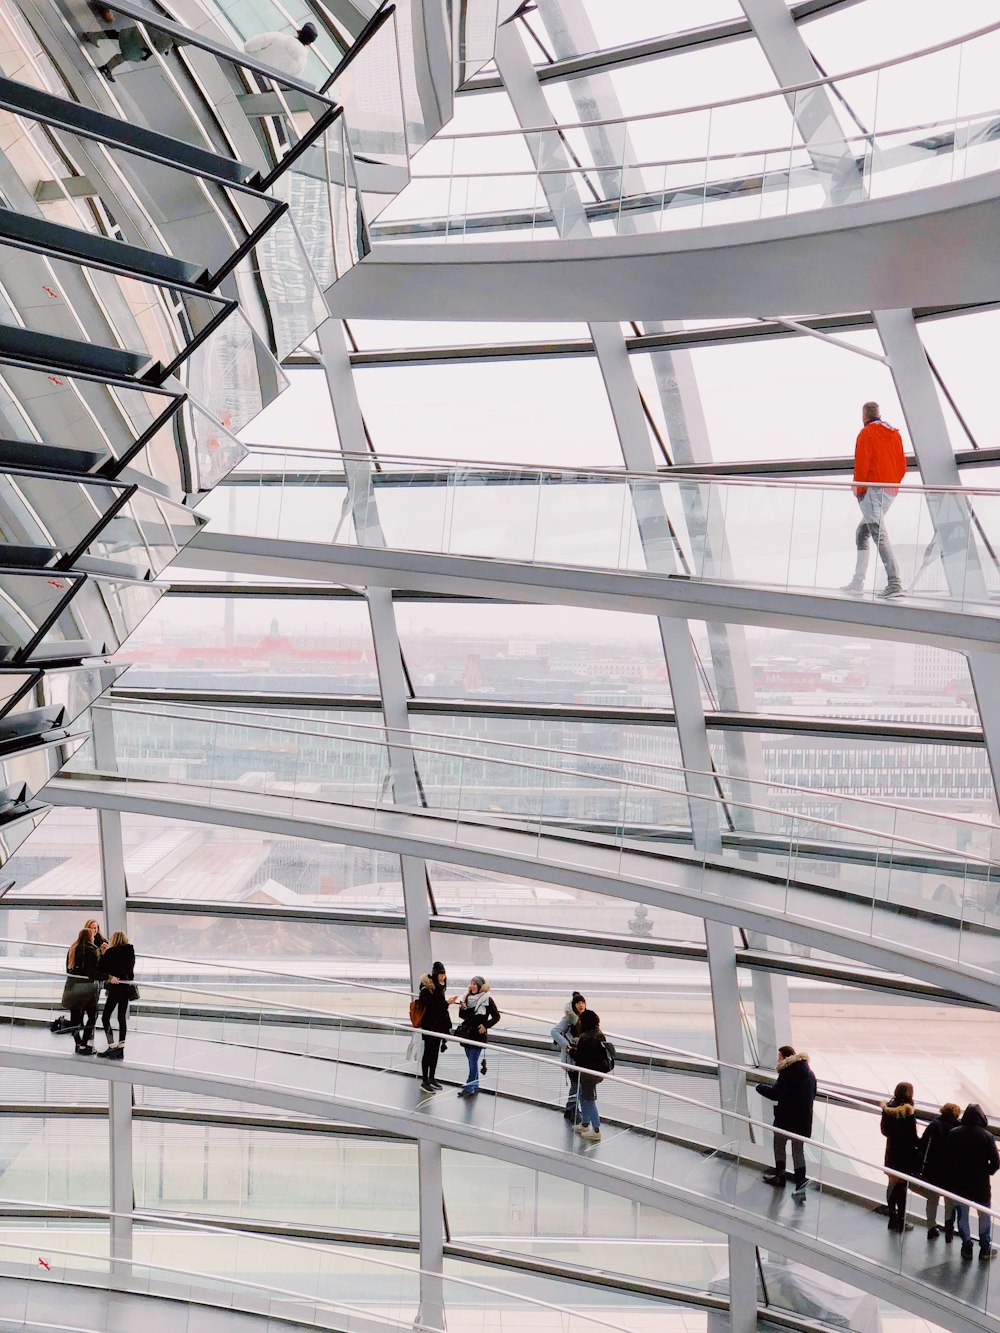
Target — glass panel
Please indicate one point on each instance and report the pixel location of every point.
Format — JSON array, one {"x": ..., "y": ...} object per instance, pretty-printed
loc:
[{"x": 288, "y": 645}]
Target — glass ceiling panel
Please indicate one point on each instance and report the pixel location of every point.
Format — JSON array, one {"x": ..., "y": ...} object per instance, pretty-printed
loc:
[
  {"x": 798, "y": 397},
  {"x": 461, "y": 891},
  {"x": 615, "y": 25},
  {"x": 60, "y": 859},
  {"x": 300, "y": 645},
  {"x": 186, "y": 862},
  {"x": 301, "y": 416},
  {"x": 537, "y": 653},
  {"x": 847, "y": 37},
  {"x": 687, "y": 78},
  {"x": 496, "y": 411},
  {"x": 825, "y": 675}
]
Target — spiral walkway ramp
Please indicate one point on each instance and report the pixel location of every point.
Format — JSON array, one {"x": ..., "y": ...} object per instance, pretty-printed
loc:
[{"x": 430, "y": 530}]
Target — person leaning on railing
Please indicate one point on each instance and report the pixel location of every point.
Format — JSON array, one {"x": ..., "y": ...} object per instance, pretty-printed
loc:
[
  {"x": 793, "y": 1094},
  {"x": 899, "y": 1127},
  {"x": 118, "y": 966},
  {"x": 82, "y": 989},
  {"x": 971, "y": 1160}
]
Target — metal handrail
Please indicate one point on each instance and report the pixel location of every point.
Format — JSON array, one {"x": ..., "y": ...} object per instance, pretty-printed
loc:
[
  {"x": 620, "y": 476},
  {"x": 393, "y": 738},
  {"x": 826, "y": 81},
  {"x": 728, "y": 1115},
  {"x": 856, "y": 1103},
  {"x": 170, "y": 1222}
]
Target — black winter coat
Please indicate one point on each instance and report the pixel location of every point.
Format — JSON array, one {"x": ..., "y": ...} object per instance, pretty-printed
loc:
[
  {"x": 87, "y": 964},
  {"x": 588, "y": 1054},
  {"x": 971, "y": 1157},
  {"x": 434, "y": 1006},
  {"x": 793, "y": 1094},
  {"x": 118, "y": 960},
  {"x": 933, "y": 1150},
  {"x": 899, "y": 1125}
]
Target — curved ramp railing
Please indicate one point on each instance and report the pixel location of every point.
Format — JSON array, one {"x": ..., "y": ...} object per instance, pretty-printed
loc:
[
  {"x": 835, "y": 140},
  {"x": 685, "y": 1154},
  {"x": 223, "y": 1264},
  {"x": 945, "y": 540}
]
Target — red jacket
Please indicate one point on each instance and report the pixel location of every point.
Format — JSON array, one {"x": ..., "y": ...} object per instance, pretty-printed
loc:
[{"x": 878, "y": 457}]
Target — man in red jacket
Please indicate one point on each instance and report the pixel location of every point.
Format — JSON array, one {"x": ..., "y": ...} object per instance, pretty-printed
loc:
[{"x": 879, "y": 467}]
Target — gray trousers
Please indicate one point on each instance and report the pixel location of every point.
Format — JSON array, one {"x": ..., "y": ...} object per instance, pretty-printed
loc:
[{"x": 781, "y": 1142}]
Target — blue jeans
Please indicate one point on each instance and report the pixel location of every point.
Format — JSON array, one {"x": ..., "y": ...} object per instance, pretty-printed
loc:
[
  {"x": 472, "y": 1054},
  {"x": 574, "y": 1079},
  {"x": 962, "y": 1211},
  {"x": 588, "y": 1114}
]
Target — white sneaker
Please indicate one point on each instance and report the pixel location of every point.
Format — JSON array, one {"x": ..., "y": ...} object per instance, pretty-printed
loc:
[
  {"x": 799, "y": 1194},
  {"x": 591, "y": 1135}
]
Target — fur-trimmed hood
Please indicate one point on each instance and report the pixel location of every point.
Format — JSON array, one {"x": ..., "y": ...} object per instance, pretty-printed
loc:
[
  {"x": 897, "y": 1112},
  {"x": 428, "y": 981},
  {"x": 799, "y": 1057}
]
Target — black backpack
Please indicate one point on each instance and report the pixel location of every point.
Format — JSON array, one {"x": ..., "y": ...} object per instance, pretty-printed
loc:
[{"x": 606, "y": 1056}]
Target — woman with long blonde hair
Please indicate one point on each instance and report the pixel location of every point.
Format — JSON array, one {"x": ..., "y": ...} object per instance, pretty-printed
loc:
[{"x": 118, "y": 965}]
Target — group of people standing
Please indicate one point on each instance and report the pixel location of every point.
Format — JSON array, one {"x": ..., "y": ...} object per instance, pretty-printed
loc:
[
  {"x": 477, "y": 1013},
  {"x": 93, "y": 962},
  {"x": 585, "y": 1050},
  {"x": 956, "y": 1153}
]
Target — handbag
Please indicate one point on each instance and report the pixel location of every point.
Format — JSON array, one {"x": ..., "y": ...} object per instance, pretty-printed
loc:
[{"x": 79, "y": 991}]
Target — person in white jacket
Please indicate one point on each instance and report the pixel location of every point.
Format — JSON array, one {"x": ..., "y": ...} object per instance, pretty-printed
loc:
[
  {"x": 564, "y": 1035},
  {"x": 281, "y": 51}
]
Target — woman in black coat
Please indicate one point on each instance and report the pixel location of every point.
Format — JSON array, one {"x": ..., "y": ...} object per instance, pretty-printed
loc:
[
  {"x": 433, "y": 1003},
  {"x": 934, "y": 1169},
  {"x": 899, "y": 1126},
  {"x": 118, "y": 966},
  {"x": 589, "y": 1054},
  {"x": 82, "y": 989}
]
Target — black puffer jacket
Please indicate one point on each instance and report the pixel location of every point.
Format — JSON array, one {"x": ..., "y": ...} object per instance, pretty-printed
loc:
[
  {"x": 933, "y": 1149},
  {"x": 434, "y": 1007},
  {"x": 899, "y": 1125},
  {"x": 589, "y": 1054},
  {"x": 793, "y": 1094},
  {"x": 971, "y": 1157}
]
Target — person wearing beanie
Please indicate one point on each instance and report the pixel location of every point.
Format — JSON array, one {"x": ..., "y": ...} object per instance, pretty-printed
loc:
[
  {"x": 283, "y": 52},
  {"x": 564, "y": 1035},
  {"x": 476, "y": 1015},
  {"x": 934, "y": 1169},
  {"x": 435, "y": 1020},
  {"x": 899, "y": 1126}
]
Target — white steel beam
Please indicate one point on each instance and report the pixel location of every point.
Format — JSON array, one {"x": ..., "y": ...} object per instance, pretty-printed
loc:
[
  {"x": 531, "y": 108},
  {"x": 346, "y": 406},
  {"x": 869, "y": 933},
  {"x": 120, "y": 1095}
]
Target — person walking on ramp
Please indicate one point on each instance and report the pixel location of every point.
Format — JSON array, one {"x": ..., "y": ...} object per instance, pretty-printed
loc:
[
  {"x": 793, "y": 1094},
  {"x": 879, "y": 467}
]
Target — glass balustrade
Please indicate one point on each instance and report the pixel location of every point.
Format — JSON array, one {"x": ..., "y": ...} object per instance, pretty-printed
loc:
[
  {"x": 907, "y": 878},
  {"x": 858, "y": 136},
  {"x": 844, "y": 1116},
  {"x": 697, "y": 1152},
  {"x": 943, "y": 543}
]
